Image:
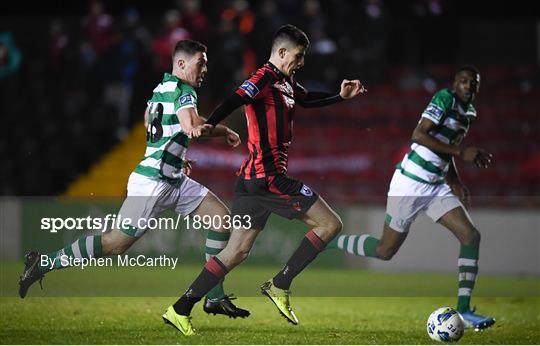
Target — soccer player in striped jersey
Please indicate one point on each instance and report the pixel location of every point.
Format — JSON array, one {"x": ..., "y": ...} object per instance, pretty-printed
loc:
[
  {"x": 262, "y": 186},
  {"x": 159, "y": 182},
  {"x": 427, "y": 180}
]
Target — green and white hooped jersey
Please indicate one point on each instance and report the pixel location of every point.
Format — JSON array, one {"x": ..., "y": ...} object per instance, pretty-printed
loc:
[
  {"x": 453, "y": 122},
  {"x": 166, "y": 144}
]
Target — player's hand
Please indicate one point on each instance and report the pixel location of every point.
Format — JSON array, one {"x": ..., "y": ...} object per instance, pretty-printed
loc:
[
  {"x": 232, "y": 138},
  {"x": 351, "y": 88},
  {"x": 462, "y": 192},
  {"x": 187, "y": 166},
  {"x": 201, "y": 130},
  {"x": 480, "y": 157}
]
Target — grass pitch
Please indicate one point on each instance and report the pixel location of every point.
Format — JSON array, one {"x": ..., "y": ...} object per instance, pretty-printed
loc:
[{"x": 378, "y": 314}]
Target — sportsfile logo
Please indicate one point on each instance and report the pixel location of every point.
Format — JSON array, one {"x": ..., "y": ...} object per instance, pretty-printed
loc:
[
  {"x": 250, "y": 88},
  {"x": 113, "y": 221}
]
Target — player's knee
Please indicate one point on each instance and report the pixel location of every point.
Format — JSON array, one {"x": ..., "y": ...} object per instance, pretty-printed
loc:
[
  {"x": 335, "y": 225},
  {"x": 472, "y": 237},
  {"x": 221, "y": 227}
]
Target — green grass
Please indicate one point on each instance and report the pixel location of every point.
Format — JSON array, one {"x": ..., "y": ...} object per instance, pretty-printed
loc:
[
  {"x": 245, "y": 280},
  {"x": 382, "y": 308}
]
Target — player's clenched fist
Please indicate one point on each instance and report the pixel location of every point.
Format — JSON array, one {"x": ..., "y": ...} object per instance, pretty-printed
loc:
[
  {"x": 480, "y": 157},
  {"x": 232, "y": 138},
  {"x": 187, "y": 166},
  {"x": 351, "y": 88}
]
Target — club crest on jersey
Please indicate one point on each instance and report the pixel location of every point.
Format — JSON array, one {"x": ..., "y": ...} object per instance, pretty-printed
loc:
[
  {"x": 287, "y": 92},
  {"x": 434, "y": 111},
  {"x": 306, "y": 191},
  {"x": 284, "y": 87},
  {"x": 186, "y": 100},
  {"x": 250, "y": 88}
]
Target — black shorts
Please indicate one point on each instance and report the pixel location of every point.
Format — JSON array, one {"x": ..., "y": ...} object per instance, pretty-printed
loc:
[{"x": 255, "y": 199}]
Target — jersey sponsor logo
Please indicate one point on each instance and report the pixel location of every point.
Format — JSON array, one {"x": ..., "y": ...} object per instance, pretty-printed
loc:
[
  {"x": 186, "y": 100},
  {"x": 434, "y": 111},
  {"x": 306, "y": 191},
  {"x": 250, "y": 88}
]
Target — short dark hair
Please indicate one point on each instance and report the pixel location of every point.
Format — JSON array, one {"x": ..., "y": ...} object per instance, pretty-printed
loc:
[
  {"x": 469, "y": 68},
  {"x": 291, "y": 34},
  {"x": 188, "y": 47}
]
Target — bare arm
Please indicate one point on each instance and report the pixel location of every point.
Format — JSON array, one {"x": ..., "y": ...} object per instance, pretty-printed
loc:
[
  {"x": 480, "y": 157},
  {"x": 190, "y": 121},
  {"x": 422, "y": 136},
  {"x": 452, "y": 176},
  {"x": 457, "y": 186}
]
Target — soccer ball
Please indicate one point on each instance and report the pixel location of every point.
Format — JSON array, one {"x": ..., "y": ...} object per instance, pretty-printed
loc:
[{"x": 445, "y": 324}]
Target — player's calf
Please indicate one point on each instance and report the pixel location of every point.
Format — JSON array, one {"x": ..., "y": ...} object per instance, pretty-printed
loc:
[
  {"x": 238, "y": 247},
  {"x": 386, "y": 253},
  {"x": 390, "y": 243},
  {"x": 116, "y": 242}
]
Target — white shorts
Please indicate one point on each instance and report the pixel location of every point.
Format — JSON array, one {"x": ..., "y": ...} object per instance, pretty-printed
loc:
[
  {"x": 408, "y": 197},
  {"x": 147, "y": 198}
]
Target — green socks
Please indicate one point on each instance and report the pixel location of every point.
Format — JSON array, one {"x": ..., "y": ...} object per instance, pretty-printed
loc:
[
  {"x": 468, "y": 269},
  {"x": 359, "y": 245},
  {"x": 85, "y": 247},
  {"x": 215, "y": 242}
]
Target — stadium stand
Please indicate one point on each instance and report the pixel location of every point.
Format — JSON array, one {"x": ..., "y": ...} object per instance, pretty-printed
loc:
[{"x": 86, "y": 76}]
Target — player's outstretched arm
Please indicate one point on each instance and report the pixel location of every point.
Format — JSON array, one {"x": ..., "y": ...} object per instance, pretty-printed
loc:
[
  {"x": 231, "y": 137},
  {"x": 194, "y": 126},
  {"x": 315, "y": 99},
  {"x": 191, "y": 122},
  {"x": 225, "y": 109},
  {"x": 422, "y": 136}
]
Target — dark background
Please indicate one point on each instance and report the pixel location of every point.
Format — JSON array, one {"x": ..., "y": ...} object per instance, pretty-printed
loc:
[{"x": 87, "y": 68}]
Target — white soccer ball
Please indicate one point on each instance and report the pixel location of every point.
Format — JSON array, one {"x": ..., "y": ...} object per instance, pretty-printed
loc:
[{"x": 445, "y": 324}]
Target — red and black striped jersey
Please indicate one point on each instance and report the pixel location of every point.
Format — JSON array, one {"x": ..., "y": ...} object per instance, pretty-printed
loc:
[{"x": 269, "y": 98}]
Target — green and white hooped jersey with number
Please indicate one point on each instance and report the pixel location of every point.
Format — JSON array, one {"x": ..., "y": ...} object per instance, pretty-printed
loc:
[
  {"x": 453, "y": 122},
  {"x": 166, "y": 144}
]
